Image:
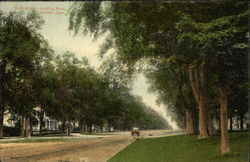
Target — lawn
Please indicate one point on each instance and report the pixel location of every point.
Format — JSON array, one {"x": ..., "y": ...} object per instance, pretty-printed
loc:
[{"x": 184, "y": 148}]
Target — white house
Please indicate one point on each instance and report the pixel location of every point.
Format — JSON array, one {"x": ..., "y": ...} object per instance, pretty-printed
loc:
[{"x": 49, "y": 123}]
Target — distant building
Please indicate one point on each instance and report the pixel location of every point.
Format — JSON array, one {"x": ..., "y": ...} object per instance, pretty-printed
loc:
[
  {"x": 104, "y": 128},
  {"x": 48, "y": 123}
]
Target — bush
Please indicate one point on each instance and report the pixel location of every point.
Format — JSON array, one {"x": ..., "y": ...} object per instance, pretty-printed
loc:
[
  {"x": 11, "y": 131},
  {"x": 76, "y": 130}
]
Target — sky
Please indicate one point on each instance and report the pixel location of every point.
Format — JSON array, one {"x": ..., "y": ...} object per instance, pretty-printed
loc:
[{"x": 55, "y": 31}]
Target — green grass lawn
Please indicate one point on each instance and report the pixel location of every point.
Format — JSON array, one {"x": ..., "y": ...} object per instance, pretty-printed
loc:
[
  {"x": 184, "y": 148},
  {"x": 39, "y": 140}
]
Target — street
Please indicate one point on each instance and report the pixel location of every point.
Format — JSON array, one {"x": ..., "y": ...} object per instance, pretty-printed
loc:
[{"x": 94, "y": 149}]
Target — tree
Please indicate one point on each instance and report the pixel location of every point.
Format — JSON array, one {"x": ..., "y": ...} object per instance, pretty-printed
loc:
[
  {"x": 133, "y": 37},
  {"x": 21, "y": 45},
  {"x": 44, "y": 85},
  {"x": 183, "y": 32},
  {"x": 220, "y": 37},
  {"x": 67, "y": 66},
  {"x": 172, "y": 84}
]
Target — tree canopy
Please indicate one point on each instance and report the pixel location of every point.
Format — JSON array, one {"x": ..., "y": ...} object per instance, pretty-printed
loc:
[{"x": 187, "y": 47}]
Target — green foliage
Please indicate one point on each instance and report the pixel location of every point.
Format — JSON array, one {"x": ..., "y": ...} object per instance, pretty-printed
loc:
[
  {"x": 172, "y": 36},
  {"x": 172, "y": 85},
  {"x": 22, "y": 52},
  {"x": 63, "y": 86},
  {"x": 93, "y": 16},
  {"x": 72, "y": 90},
  {"x": 154, "y": 120}
]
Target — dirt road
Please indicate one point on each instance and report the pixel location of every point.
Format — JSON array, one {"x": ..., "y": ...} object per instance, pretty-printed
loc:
[
  {"x": 94, "y": 150},
  {"x": 91, "y": 150}
]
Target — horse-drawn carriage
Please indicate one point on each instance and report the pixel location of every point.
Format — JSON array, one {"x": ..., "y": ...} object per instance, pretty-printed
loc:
[{"x": 135, "y": 131}]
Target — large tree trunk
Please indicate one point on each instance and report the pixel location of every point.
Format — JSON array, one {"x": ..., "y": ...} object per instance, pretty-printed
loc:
[
  {"x": 69, "y": 128},
  {"x": 81, "y": 127},
  {"x": 2, "y": 93},
  {"x": 198, "y": 90},
  {"x": 31, "y": 128},
  {"x": 1, "y": 121},
  {"x": 238, "y": 123},
  {"x": 241, "y": 122},
  {"x": 210, "y": 125},
  {"x": 203, "y": 130},
  {"x": 219, "y": 123},
  {"x": 41, "y": 115},
  {"x": 191, "y": 127},
  {"x": 109, "y": 127},
  {"x": 86, "y": 128},
  {"x": 224, "y": 121},
  {"x": 63, "y": 126},
  {"x": 184, "y": 119},
  {"x": 90, "y": 128},
  {"x": 101, "y": 128},
  {"x": 82, "y": 130},
  {"x": 230, "y": 123},
  {"x": 27, "y": 126},
  {"x": 209, "y": 121},
  {"x": 81, "y": 123},
  {"x": 23, "y": 126}
]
